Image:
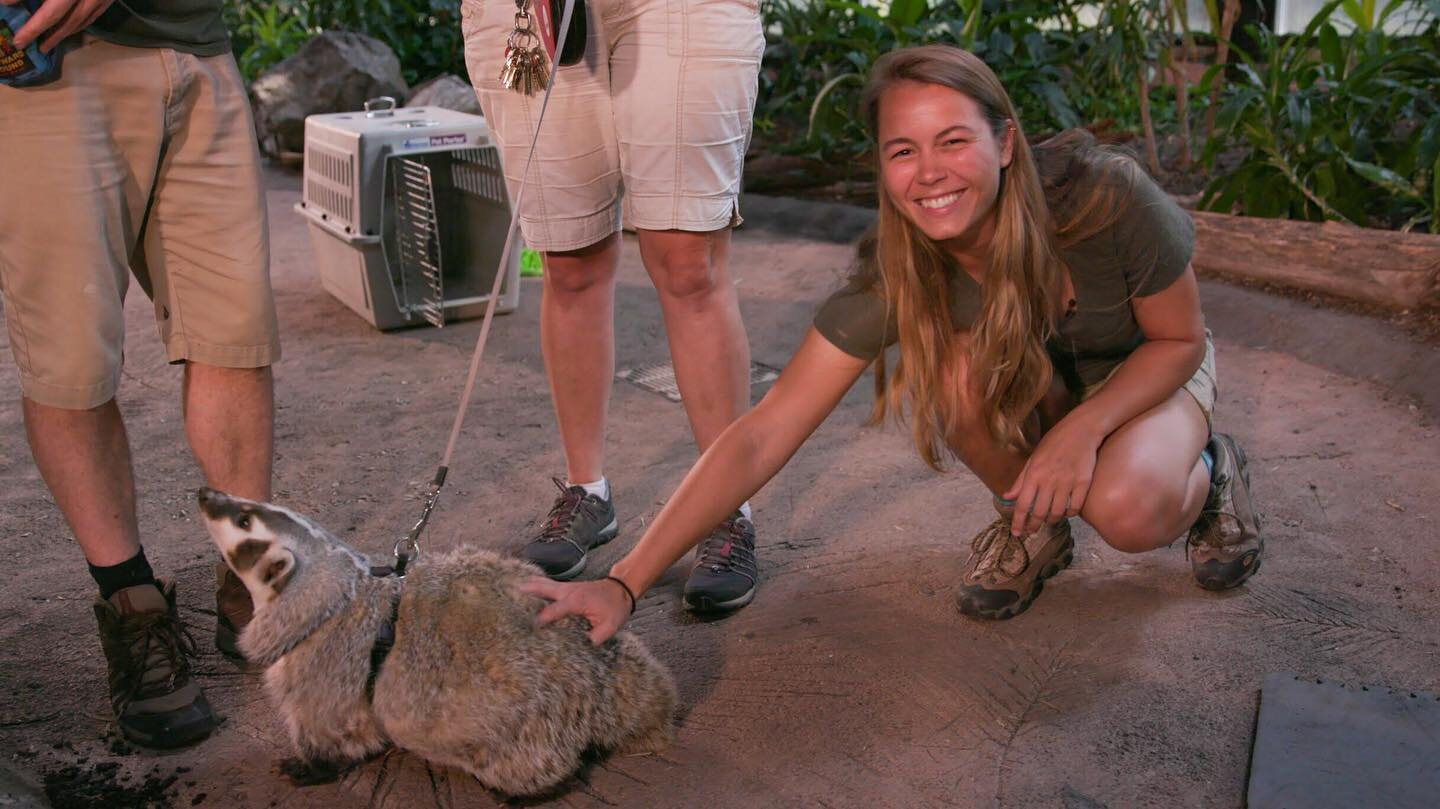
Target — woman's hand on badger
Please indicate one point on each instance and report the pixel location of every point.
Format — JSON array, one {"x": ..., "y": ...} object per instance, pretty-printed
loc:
[
  {"x": 603, "y": 603},
  {"x": 1056, "y": 479}
]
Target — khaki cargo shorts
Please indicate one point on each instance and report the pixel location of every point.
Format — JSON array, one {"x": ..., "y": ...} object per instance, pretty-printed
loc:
[
  {"x": 660, "y": 107},
  {"x": 1202, "y": 385},
  {"x": 136, "y": 160}
]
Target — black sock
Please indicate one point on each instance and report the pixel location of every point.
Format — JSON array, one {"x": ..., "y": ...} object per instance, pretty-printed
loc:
[{"x": 129, "y": 573}]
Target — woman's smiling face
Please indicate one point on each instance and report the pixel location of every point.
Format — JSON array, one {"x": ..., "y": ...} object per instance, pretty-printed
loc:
[{"x": 941, "y": 163}]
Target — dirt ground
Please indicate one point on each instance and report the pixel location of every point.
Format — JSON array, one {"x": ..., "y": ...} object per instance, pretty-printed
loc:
[{"x": 851, "y": 681}]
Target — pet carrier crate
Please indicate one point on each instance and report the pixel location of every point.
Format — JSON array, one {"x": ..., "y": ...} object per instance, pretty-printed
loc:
[{"x": 407, "y": 213}]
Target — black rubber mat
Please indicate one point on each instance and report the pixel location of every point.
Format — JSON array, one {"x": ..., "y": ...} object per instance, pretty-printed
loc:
[{"x": 1320, "y": 744}]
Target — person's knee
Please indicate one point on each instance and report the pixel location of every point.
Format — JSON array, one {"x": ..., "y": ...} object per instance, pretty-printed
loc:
[
  {"x": 576, "y": 277},
  {"x": 576, "y": 272},
  {"x": 1129, "y": 517},
  {"x": 686, "y": 271}
]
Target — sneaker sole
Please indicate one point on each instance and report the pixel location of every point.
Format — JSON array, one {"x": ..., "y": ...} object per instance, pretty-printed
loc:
[
  {"x": 1217, "y": 581},
  {"x": 1067, "y": 555},
  {"x": 707, "y": 604},
  {"x": 606, "y": 534},
  {"x": 174, "y": 738}
]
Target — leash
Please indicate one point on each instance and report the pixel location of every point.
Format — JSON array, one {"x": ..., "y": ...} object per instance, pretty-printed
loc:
[{"x": 407, "y": 549}]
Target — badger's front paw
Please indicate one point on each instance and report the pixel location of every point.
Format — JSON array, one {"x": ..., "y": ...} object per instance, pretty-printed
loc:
[{"x": 303, "y": 773}]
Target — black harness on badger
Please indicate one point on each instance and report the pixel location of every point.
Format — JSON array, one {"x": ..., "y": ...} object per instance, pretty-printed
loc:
[{"x": 528, "y": 54}]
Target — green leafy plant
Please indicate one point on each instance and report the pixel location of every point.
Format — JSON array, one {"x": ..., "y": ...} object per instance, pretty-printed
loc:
[
  {"x": 264, "y": 34},
  {"x": 1332, "y": 127},
  {"x": 819, "y": 53},
  {"x": 425, "y": 34}
]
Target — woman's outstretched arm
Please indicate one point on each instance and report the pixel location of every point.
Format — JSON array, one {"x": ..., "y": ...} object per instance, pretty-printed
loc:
[{"x": 742, "y": 460}]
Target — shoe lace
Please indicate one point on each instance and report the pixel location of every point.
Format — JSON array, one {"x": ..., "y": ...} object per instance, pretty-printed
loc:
[
  {"x": 562, "y": 515},
  {"x": 996, "y": 544},
  {"x": 155, "y": 642},
  {"x": 1203, "y": 533},
  {"x": 725, "y": 547}
]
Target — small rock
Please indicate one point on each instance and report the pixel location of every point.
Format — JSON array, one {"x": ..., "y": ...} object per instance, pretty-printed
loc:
[{"x": 448, "y": 91}]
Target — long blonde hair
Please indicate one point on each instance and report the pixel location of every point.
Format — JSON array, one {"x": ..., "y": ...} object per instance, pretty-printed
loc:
[{"x": 1008, "y": 367}]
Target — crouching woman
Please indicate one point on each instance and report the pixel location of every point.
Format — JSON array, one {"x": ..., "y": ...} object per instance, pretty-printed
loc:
[{"x": 1050, "y": 338}]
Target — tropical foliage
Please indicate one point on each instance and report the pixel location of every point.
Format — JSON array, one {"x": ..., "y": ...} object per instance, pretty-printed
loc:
[{"x": 1339, "y": 122}]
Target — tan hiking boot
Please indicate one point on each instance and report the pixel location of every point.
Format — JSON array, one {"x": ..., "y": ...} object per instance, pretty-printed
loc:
[
  {"x": 1225, "y": 543},
  {"x": 1005, "y": 573},
  {"x": 233, "y": 611},
  {"x": 156, "y": 702}
]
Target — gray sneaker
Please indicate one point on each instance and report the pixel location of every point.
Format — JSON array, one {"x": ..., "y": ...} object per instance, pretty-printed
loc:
[
  {"x": 725, "y": 570},
  {"x": 1225, "y": 544},
  {"x": 578, "y": 522},
  {"x": 1005, "y": 572},
  {"x": 156, "y": 702}
]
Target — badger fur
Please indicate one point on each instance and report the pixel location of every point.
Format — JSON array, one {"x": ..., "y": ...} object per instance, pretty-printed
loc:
[{"x": 470, "y": 681}]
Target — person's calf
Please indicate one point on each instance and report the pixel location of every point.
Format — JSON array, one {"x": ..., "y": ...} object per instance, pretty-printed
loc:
[{"x": 229, "y": 422}]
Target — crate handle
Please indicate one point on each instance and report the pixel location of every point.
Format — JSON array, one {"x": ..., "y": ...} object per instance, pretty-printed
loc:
[{"x": 382, "y": 107}]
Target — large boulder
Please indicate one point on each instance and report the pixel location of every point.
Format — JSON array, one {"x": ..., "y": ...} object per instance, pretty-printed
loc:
[
  {"x": 448, "y": 91},
  {"x": 337, "y": 71}
]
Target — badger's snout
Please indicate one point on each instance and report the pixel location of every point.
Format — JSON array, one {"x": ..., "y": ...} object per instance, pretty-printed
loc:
[{"x": 214, "y": 504}]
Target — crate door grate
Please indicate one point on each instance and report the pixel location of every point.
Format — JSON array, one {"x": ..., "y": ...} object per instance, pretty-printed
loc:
[
  {"x": 660, "y": 377},
  {"x": 422, "y": 290},
  {"x": 477, "y": 171}
]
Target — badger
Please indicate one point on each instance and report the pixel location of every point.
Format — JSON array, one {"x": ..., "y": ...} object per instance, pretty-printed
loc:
[{"x": 445, "y": 663}]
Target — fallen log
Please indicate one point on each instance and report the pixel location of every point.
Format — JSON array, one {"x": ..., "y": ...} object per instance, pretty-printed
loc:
[{"x": 1384, "y": 267}]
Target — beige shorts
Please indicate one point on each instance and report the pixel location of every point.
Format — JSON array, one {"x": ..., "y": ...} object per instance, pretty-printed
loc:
[
  {"x": 1202, "y": 386},
  {"x": 660, "y": 107},
  {"x": 136, "y": 160}
]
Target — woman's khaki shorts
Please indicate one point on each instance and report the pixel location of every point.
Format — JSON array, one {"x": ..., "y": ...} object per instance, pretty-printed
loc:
[
  {"x": 136, "y": 159},
  {"x": 1202, "y": 386},
  {"x": 660, "y": 107}
]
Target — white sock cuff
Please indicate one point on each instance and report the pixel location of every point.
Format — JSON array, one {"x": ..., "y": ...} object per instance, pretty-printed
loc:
[
  {"x": 600, "y": 488},
  {"x": 745, "y": 511}
]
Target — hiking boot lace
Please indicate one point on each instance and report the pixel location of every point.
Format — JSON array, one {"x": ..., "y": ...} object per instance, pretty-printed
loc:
[
  {"x": 154, "y": 643},
  {"x": 1204, "y": 533},
  {"x": 562, "y": 514},
  {"x": 725, "y": 547},
  {"x": 996, "y": 544}
]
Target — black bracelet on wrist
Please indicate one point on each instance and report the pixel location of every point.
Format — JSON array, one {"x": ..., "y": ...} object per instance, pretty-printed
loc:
[{"x": 628, "y": 594}]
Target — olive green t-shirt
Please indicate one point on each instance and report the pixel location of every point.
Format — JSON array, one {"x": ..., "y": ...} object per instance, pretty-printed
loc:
[
  {"x": 1144, "y": 249},
  {"x": 192, "y": 26}
]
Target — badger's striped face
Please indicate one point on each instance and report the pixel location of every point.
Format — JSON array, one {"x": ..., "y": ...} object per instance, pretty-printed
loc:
[{"x": 256, "y": 540}]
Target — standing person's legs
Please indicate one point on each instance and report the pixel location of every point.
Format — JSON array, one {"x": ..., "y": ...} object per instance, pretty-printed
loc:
[
  {"x": 577, "y": 339},
  {"x": 570, "y": 213},
  {"x": 205, "y": 262},
  {"x": 84, "y": 458},
  {"x": 79, "y": 163},
  {"x": 708, "y": 347},
  {"x": 230, "y": 423},
  {"x": 682, "y": 160}
]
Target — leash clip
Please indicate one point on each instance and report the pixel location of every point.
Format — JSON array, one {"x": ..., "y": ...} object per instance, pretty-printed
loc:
[{"x": 407, "y": 549}]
